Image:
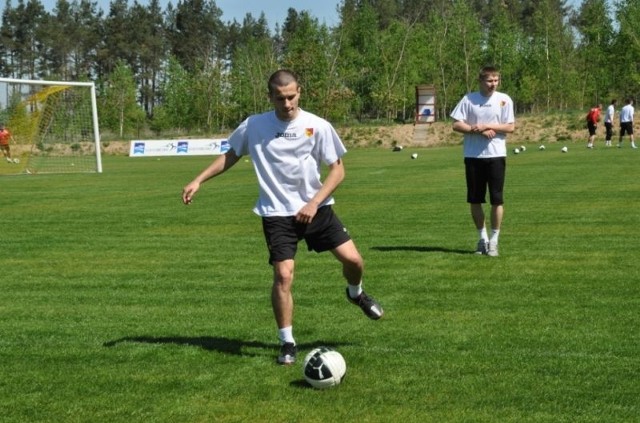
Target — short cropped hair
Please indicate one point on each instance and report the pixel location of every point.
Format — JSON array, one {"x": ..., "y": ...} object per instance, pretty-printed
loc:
[
  {"x": 488, "y": 70},
  {"x": 280, "y": 78}
]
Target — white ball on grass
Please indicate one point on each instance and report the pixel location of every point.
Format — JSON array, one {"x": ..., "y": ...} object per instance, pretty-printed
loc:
[
  {"x": 324, "y": 367},
  {"x": 564, "y": 149},
  {"x": 516, "y": 151},
  {"x": 414, "y": 156}
]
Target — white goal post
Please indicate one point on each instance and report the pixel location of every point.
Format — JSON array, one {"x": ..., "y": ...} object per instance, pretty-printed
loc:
[{"x": 53, "y": 126}]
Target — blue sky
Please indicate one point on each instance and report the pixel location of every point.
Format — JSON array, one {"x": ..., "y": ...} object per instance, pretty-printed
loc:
[{"x": 275, "y": 10}]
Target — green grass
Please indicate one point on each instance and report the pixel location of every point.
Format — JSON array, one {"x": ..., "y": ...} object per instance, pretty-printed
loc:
[{"x": 119, "y": 304}]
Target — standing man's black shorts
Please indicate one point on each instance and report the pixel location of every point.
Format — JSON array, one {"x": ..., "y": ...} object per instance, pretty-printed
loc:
[
  {"x": 482, "y": 174},
  {"x": 626, "y": 128},
  {"x": 282, "y": 233}
]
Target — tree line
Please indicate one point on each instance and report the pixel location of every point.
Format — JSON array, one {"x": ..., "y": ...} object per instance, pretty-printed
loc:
[{"x": 183, "y": 68}]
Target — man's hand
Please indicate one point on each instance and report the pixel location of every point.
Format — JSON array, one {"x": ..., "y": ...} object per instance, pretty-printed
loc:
[
  {"x": 307, "y": 213},
  {"x": 189, "y": 191}
]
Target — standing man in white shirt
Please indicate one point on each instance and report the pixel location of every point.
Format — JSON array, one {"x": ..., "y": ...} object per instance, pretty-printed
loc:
[
  {"x": 626, "y": 122},
  {"x": 288, "y": 146},
  {"x": 608, "y": 122},
  {"x": 485, "y": 117}
]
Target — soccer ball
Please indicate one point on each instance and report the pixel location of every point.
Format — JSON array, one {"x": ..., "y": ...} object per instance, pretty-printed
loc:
[
  {"x": 564, "y": 149},
  {"x": 16, "y": 161},
  {"x": 414, "y": 156},
  {"x": 324, "y": 367},
  {"x": 516, "y": 151},
  {"x": 541, "y": 147}
]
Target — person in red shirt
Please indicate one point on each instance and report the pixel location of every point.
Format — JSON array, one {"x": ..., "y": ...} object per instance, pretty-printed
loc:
[
  {"x": 593, "y": 117},
  {"x": 5, "y": 136}
]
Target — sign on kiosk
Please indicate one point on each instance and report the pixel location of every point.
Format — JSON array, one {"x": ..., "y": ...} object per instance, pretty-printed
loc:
[{"x": 191, "y": 147}]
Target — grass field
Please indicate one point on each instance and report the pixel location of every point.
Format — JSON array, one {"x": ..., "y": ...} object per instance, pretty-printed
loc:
[{"x": 119, "y": 304}]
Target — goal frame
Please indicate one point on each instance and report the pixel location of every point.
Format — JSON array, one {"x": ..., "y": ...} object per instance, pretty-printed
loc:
[{"x": 94, "y": 106}]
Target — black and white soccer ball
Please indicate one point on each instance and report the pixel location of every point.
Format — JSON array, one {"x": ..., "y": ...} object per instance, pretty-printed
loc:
[{"x": 324, "y": 367}]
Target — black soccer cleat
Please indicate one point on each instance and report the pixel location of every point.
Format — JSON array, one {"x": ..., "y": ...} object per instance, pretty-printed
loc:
[
  {"x": 287, "y": 353},
  {"x": 369, "y": 306}
]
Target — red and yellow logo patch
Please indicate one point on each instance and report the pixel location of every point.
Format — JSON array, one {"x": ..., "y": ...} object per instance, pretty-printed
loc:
[{"x": 308, "y": 132}]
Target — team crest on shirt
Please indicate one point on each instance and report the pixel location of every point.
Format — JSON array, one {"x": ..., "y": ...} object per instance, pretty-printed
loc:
[
  {"x": 503, "y": 103},
  {"x": 308, "y": 132}
]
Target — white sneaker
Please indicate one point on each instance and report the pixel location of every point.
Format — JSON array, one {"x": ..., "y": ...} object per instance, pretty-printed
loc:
[
  {"x": 493, "y": 249},
  {"x": 9, "y": 160},
  {"x": 633, "y": 146}
]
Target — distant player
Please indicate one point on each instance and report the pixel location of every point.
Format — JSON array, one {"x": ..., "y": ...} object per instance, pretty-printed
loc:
[
  {"x": 608, "y": 122},
  {"x": 626, "y": 122},
  {"x": 5, "y": 137},
  {"x": 593, "y": 117}
]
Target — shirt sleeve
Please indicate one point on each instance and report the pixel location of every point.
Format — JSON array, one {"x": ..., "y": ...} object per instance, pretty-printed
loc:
[{"x": 238, "y": 140}]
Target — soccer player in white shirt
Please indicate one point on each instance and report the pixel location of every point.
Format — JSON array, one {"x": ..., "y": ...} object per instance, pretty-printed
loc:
[
  {"x": 288, "y": 146},
  {"x": 626, "y": 122},
  {"x": 485, "y": 117},
  {"x": 608, "y": 122}
]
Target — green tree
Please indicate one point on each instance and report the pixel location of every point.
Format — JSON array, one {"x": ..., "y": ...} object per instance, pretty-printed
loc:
[
  {"x": 308, "y": 50},
  {"x": 150, "y": 56},
  {"x": 393, "y": 44},
  {"x": 596, "y": 36},
  {"x": 550, "y": 54},
  {"x": 357, "y": 62},
  {"x": 254, "y": 59},
  {"x": 119, "y": 110},
  {"x": 23, "y": 33},
  {"x": 119, "y": 30},
  {"x": 60, "y": 40},
  {"x": 193, "y": 29},
  {"x": 177, "y": 109},
  {"x": 627, "y": 48}
]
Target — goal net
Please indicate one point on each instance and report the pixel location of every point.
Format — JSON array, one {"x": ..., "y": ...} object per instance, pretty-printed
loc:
[{"x": 53, "y": 127}]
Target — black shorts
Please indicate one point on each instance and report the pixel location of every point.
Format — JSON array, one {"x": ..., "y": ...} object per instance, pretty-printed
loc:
[
  {"x": 282, "y": 233},
  {"x": 592, "y": 128},
  {"x": 626, "y": 128},
  {"x": 482, "y": 174}
]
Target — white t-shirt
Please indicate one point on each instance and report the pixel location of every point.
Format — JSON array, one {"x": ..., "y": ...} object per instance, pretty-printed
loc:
[
  {"x": 474, "y": 109},
  {"x": 608, "y": 117},
  {"x": 287, "y": 157},
  {"x": 626, "y": 113}
]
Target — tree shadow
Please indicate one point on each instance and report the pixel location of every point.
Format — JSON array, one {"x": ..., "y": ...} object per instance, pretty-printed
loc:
[
  {"x": 421, "y": 249},
  {"x": 220, "y": 344}
]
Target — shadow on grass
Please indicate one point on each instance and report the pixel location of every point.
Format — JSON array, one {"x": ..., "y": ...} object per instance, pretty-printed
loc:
[
  {"x": 219, "y": 344},
  {"x": 421, "y": 249}
]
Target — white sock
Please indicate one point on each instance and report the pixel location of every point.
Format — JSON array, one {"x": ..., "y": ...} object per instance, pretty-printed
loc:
[
  {"x": 482, "y": 233},
  {"x": 495, "y": 233},
  {"x": 286, "y": 335},
  {"x": 355, "y": 290}
]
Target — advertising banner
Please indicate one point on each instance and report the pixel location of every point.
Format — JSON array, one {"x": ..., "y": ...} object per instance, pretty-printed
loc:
[{"x": 190, "y": 147}]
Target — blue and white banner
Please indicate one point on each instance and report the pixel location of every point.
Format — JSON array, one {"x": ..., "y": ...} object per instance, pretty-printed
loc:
[{"x": 191, "y": 147}]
